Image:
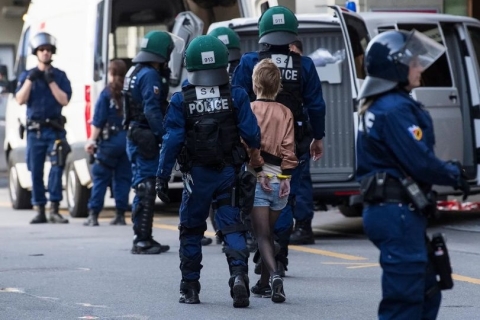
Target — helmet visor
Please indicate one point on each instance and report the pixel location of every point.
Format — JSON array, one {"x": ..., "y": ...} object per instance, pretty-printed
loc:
[
  {"x": 420, "y": 50},
  {"x": 178, "y": 43}
]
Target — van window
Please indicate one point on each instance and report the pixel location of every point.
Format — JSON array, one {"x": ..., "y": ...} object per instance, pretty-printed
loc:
[
  {"x": 23, "y": 52},
  {"x": 475, "y": 36},
  {"x": 359, "y": 39},
  {"x": 98, "y": 67},
  {"x": 125, "y": 41},
  {"x": 438, "y": 74},
  {"x": 385, "y": 28}
]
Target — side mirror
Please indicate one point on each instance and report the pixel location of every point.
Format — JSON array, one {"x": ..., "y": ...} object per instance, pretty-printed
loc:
[{"x": 12, "y": 86}]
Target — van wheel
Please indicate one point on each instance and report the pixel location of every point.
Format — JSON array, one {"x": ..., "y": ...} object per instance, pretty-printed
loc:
[
  {"x": 77, "y": 194},
  {"x": 19, "y": 197},
  {"x": 351, "y": 211}
]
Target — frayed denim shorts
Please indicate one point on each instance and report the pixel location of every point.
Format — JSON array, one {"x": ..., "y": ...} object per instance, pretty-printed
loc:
[{"x": 269, "y": 199}]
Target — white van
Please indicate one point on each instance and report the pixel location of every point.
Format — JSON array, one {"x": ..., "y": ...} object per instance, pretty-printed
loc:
[
  {"x": 89, "y": 33},
  {"x": 336, "y": 41}
]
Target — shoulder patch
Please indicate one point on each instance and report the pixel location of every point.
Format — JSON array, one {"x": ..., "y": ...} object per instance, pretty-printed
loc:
[
  {"x": 416, "y": 132},
  {"x": 156, "y": 90}
]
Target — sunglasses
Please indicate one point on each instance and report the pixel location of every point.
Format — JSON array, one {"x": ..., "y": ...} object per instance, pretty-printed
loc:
[{"x": 48, "y": 49}]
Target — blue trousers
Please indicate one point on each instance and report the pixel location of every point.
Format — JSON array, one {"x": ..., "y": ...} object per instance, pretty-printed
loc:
[
  {"x": 304, "y": 199},
  {"x": 208, "y": 184},
  {"x": 285, "y": 220},
  {"x": 120, "y": 176},
  {"x": 141, "y": 168},
  {"x": 399, "y": 234},
  {"x": 38, "y": 147}
]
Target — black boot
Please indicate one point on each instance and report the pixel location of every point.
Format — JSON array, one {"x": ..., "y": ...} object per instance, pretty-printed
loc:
[
  {"x": 239, "y": 291},
  {"x": 143, "y": 242},
  {"x": 189, "y": 291},
  {"x": 119, "y": 219},
  {"x": 303, "y": 233},
  {"x": 55, "y": 216},
  {"x": 206, "y": 241},
  {"x": 40, "y": 217},
  {"x": 92, "y": 219}
]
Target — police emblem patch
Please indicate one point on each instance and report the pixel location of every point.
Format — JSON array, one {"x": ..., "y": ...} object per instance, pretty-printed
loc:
[
  {"x": 156, "y": 90},
  {"x": 416, "y": 132}
]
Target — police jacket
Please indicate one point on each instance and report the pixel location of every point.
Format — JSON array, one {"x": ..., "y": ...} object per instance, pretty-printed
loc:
[
  {"x": 277, "y": 145},
  {"x": 107, "y": 117},
  {"x": 41, "y": 104},
  {"x": 176, "y": 124},
  {"x": 148, "y": 94},
  {"x": 311, "y": 88},
  {"x": 395, "y": 134}
]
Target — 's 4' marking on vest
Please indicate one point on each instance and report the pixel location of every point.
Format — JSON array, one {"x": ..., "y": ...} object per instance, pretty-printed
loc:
[{"x": 207, "y": 92}]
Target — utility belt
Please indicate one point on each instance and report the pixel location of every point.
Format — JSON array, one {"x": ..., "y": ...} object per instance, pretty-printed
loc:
[
  {"x": 381, "y": 188},
  {"x": 237, "y": 158},
  {"x": 147, "y": 143},
  {"x": 56, "y": 124},
  {"x": 109, "y": 130}
]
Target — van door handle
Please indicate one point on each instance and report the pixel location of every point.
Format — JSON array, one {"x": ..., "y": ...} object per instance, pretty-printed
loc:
[{"x": 453, "y": 97}]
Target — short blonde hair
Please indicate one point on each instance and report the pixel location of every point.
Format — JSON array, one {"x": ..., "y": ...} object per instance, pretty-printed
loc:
[{"x": 267, "y": 79}]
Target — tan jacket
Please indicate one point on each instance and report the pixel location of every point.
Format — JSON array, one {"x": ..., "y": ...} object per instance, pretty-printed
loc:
[{"x": 278, "y": 139}]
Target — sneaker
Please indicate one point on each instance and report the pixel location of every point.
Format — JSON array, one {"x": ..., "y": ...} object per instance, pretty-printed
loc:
[
  {"x": 262, "y": 290},
  {"x": 189, "y": 292},
  {"x": 206, "y": 241},
  {"x": 276, "y": 283}
]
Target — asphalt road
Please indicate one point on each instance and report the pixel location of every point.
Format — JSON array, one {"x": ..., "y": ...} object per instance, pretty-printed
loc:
[{"x": 76, "y": 272}]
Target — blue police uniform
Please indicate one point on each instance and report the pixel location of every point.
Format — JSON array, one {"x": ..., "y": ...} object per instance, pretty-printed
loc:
[
  {"x": 314, "y": 105},
  {"x": 397, "y": 135},
  {"x": 208, "y": 182},
  {"x": 111, "y": 156},
  {"x": 42, "y": 106},
  {"x": 146, "y": 92}
]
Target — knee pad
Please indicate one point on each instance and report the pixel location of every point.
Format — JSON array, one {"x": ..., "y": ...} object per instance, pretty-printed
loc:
[{"x": 145, "y": 190}]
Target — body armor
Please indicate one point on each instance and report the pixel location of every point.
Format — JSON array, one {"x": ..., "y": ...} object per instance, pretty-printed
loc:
[
  {"x": 132, "y": 111},
  {"x": 211, "y": 128}
]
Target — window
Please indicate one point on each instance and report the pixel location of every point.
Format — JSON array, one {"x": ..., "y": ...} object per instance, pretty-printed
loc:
[
  {"x": 385, "y": 28},
  {"x": 438, "y": 74},
  {"x": 359, "y": 38},
  {"x": 98, "y": 66},
  {"x": 23, "y": 53},
  {"x": 475, "y": 36}
]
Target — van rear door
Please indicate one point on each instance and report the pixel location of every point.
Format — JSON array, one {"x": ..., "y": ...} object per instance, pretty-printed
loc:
[
  {"x": 470, "y": 36},
  {"x": 334, "y": 174}
]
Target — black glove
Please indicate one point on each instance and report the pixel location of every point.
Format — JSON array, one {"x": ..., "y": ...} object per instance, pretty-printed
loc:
[
  {"x": 161, "y": 187},
  {"x": 462, "y": 183},
  {"x": 35, "y": 74},
  {"x": 48, "y": 76}
]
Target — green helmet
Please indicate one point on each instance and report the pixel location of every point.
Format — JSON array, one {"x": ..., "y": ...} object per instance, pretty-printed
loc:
[
  {"x": 156, "y": 47},
  {"x": 231, "y": 40},
  {"x": 206, "y": 60},
  {"x": 278, "y": 26}
]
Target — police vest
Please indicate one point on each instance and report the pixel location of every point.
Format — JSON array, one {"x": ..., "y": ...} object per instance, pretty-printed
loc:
[
  {"x": 290, "y": 66},
  {"x": 132, "y": 111},
  {"x": 211, "y": 126}
]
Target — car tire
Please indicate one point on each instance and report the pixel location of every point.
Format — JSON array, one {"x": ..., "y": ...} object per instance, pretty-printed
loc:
[
  {"x": 77, "y": 194},
  {"x": 19, "y": 197}
]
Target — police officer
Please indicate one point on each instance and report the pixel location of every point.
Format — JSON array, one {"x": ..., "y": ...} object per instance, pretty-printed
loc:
[
  {"x": 301, "y": 93},
  {"x": 231, "y": 39},
  {"x": 46, "y": 90},
  {"x": 108, "y": 145},
  {"x": 204, "y": 124},
  {"x": 395, "y": 148},
  {"x": 144, "y": 95},
  {"x": 303, "y": 213}
]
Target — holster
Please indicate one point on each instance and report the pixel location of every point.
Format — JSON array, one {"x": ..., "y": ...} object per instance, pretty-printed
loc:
[
  {"x": 183, "y": 160},
  {"x": 61, "y": 149},
  {"x": 441, "y": 260},
  {"x": 147, "y": 144}
]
